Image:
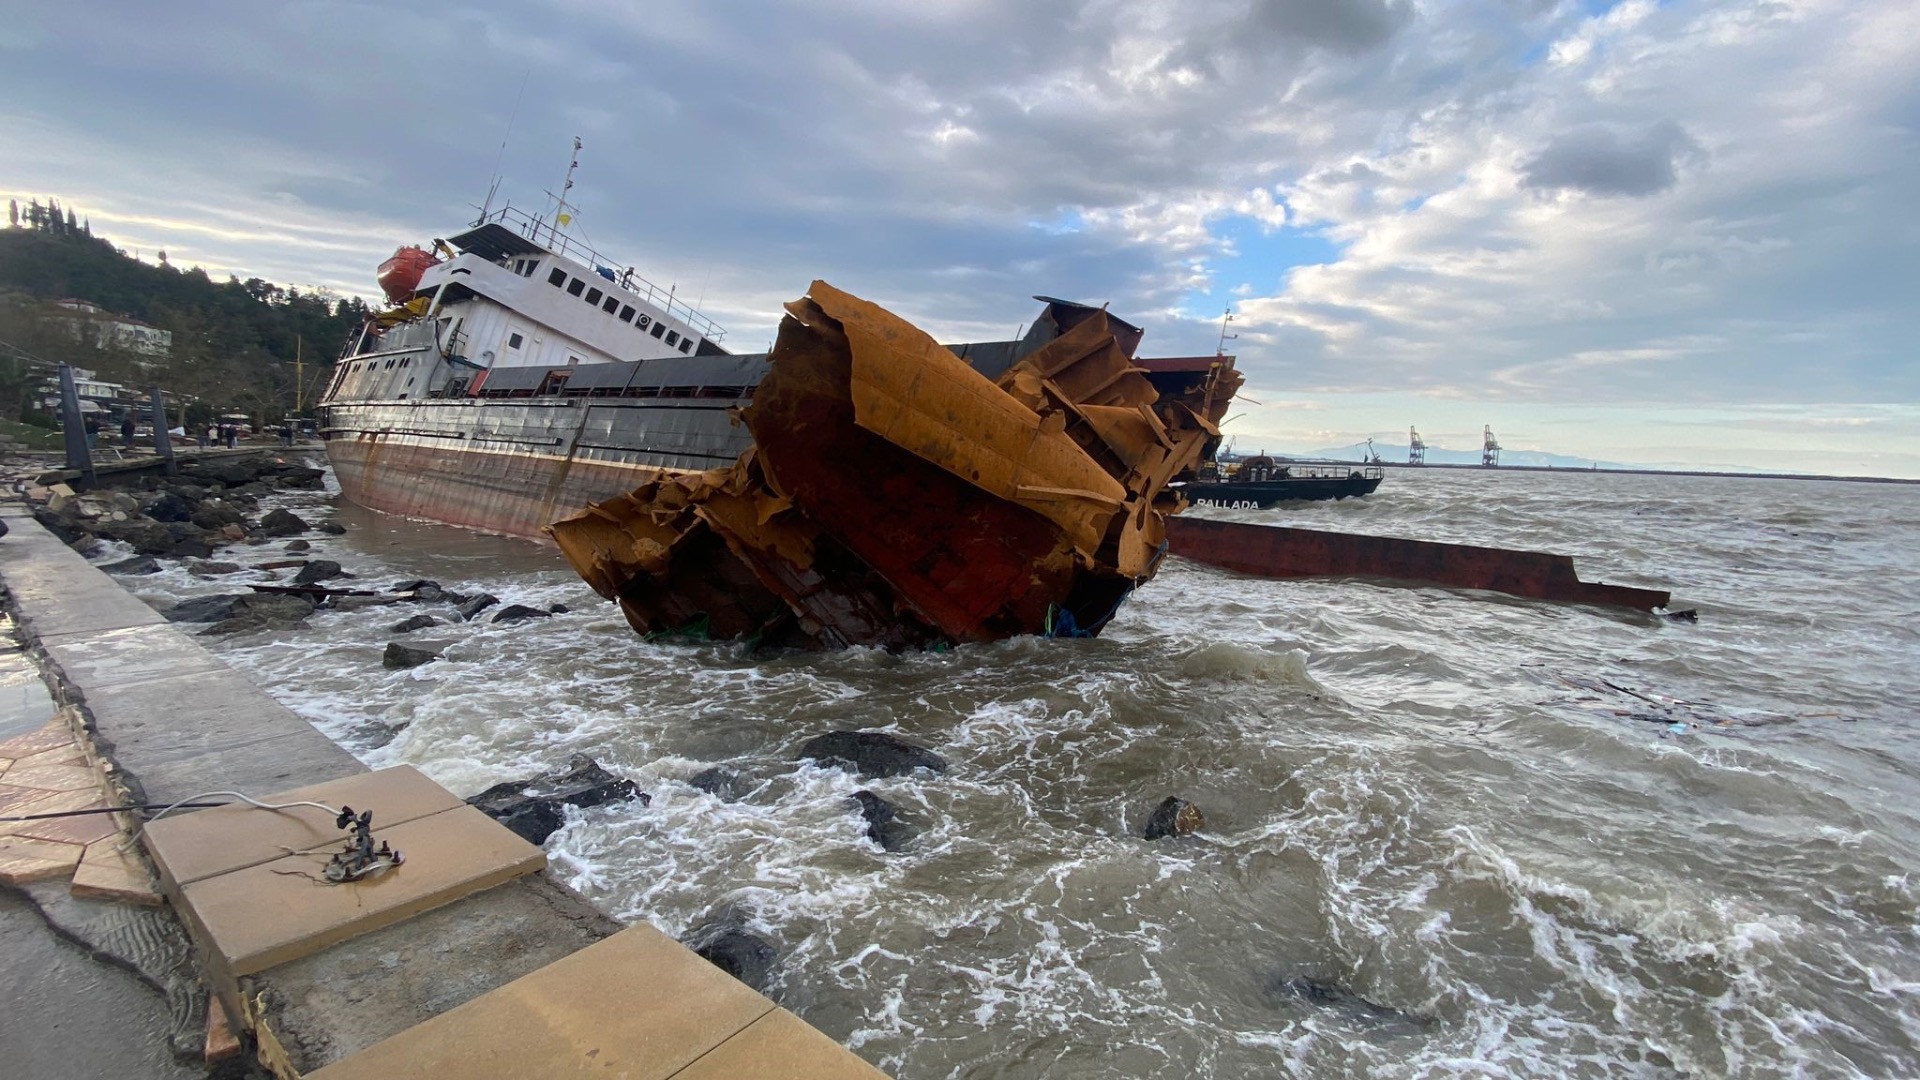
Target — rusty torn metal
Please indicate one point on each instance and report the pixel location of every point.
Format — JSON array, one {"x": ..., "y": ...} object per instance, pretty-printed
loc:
[
  {"x": 1274, "y": 551},
  {"x": 896, "y": 497}
]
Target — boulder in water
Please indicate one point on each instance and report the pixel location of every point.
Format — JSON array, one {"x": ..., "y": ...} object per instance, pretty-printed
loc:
[
  {"x": 398, "y": 657},
  {"x": 476, "y": 605},
  {"x": 884, "y": 826},
  {"x": 297, "y": 546},
  {"x": 719, "y": 781},
  {"x": 282, "y": 522},
  {"x": 1174, "y": 817},
  {"x": 517, "y": 612},
  {"x": 260, "y": 611},
  {"x": 139, "y": 564},
  {"x": 1326, "y": 995},
  {"x": 418, "y": 622},
  {"x": 727, "y": 944},
  {"x": 217, "y": 514},
  {"x": 531, "y": 808},
  {"x": 331, "y": 528},
  {"x": 871, "y": 753},
  {"x": 144, "y": 535},
  {"x": 319, "y": 570},
  {"x": 201, "y": 568}
]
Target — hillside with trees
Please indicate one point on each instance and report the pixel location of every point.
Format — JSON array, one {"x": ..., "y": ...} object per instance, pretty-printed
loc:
[{"x": 234, "y": 342}]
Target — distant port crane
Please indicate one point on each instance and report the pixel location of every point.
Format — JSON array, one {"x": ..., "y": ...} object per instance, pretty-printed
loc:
[
  {"x": 1489, "y": 449},
  {"x": 1416, "y": 448}
]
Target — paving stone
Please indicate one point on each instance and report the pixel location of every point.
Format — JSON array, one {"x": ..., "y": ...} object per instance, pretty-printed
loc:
[
  {"x": 23, "y": 860},
  {"x": 63, "y": 755},
  {"x": 13, "y": 798},
  {"x": 53, "y": 777},
  {"x": 47, "y": 802},
  {"x": 276, "y": 912},
  {"x": 188, "y": 847},
  {"x": 50, "y": 736},
  {"x": 67, "y": 830},
  {"x": 108, "y": 871},
  {"x": 638, "y": 1005},
  {"x": 780, "y": 1046}
]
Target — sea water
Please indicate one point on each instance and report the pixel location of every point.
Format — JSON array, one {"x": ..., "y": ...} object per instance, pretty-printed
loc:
[{"x": 1448, "y": 833}]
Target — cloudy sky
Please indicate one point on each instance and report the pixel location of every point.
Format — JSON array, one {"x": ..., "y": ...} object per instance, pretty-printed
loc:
[{"x": 1679, "y": 232}]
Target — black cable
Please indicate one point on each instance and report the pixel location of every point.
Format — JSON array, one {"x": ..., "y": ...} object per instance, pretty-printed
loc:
[{"x": 114, "y": 809}]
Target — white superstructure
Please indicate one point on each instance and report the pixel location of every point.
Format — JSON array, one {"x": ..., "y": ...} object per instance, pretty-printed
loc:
[{"x": 513, "y": 291}]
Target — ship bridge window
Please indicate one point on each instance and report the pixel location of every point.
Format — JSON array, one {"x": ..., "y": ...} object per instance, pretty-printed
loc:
[
  {"x": 610, "y": 304},
  {"x": 686, "y": 345},
  {"x": 532, "y": 265},
  {"x": 626, "y": 313},
  {"x": 576, "y": 287},
  {"x": 673, "y": 337},
  {"x": 514, "y": 340},
  {"x": 557, "y": 278},
  {"x": 593, "y": 296},
  {"x": 659, "y": 328}
]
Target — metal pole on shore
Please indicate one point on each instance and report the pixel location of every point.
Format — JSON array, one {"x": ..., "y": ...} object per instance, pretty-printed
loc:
[
  {"x": 161, "y": 441},
  {"x": 79, "y": 456}
]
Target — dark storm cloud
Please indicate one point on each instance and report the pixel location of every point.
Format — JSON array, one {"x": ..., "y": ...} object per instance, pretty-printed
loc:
[{"x": 1603, "y": 159}]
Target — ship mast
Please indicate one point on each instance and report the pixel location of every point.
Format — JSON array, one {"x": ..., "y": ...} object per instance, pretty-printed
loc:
[
  {"x": 561, "y": 218},
  {"x": 1225, "y": 337}
]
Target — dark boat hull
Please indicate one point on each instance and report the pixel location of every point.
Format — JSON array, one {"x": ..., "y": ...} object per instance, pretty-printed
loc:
[{"x": 1264, "y": 493}]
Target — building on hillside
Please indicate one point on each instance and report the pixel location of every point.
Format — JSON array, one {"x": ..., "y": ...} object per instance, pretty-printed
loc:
[
  {"x": 109, "y": 331},
  {"x": 96, "y": 394}
]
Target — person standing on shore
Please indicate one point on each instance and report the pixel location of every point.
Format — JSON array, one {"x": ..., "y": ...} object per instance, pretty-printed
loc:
[
  {"x": 92, "y": 428},
  {"x": 126, "y": 431},
  {"x": 233, "y": 435},
  {"x": 205, "y": 433}
]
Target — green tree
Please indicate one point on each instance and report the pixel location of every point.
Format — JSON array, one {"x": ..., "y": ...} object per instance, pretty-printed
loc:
[{"x": 13, "y": 213}]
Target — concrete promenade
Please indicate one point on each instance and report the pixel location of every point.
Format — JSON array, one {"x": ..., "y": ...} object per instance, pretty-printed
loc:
[{"x": 520, "y": 978}]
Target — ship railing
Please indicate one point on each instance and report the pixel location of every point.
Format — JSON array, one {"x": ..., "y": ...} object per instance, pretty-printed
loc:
[{"x": 548, "y": 235}]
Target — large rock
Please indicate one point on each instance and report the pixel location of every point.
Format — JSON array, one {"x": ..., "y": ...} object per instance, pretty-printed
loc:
[
  {"x": 721, "y": 782},
  {"x": 282, "y": 522},
  {"x": 143, "y": 535},
  {"x": 168, "y": 506},
  {"x": 243, "y": 613},
  {"x": 531, "y": 808},
  {"x": 517, "y": 612},
  {"x": 298, "y": 546},
  {"x": 420, "y": 589},
  {"x": 871, "y": 753},
  {"x": 216, "y": 514},
  {"x": 727, "y": 944},
  {"x": 299, "y": 476},
  {"x": 884, "y": 826},
  {"x": 203, "y": 569},
  {"x": 331, "y": 528},
  {"x": 398, "y": 657},
  {"x": 1174, "y": 817},
  {"x": 319, "y": 570},
  {"x": 418, "y": 622},
  {"x": 478, "y": 604},
  {"x": 139, "y": 564}
]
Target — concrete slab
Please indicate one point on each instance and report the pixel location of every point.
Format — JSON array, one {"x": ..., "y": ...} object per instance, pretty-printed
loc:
[
  {"x": 269, "y": 764},
  {"x": 638, "y": 1005},
  {"x": 780, "y": 1046},
  {"x": 189, "y": 847},
  {"x": 261, "y": 916},
  {"x": 324, "y": 1007},
  {"x": 128, "y": 654}
]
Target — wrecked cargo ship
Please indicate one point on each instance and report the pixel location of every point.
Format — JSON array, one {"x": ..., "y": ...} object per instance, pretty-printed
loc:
[
  {"x": 896, "y": 495},
  {"x": 519, "y": 379}
]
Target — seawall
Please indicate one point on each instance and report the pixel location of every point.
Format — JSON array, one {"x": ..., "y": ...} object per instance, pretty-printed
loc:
[{"x": 516, "y": 979}]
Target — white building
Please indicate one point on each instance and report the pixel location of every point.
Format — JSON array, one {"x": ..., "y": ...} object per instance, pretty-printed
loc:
[{"x": 110, "y": 331}]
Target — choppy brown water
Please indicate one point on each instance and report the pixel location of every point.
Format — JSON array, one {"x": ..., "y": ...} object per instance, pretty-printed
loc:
[{"x": 1433, "y": 800}]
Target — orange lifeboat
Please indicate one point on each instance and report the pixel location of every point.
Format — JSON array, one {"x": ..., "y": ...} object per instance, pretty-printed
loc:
[{"x": 400, "y": 275}]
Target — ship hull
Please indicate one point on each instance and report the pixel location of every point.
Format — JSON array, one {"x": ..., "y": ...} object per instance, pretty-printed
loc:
[
  {"x": 1264, "y": 493},
  {"x": 516, "y": 465}
]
